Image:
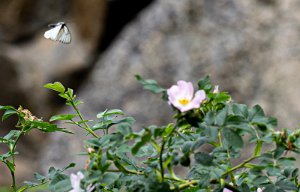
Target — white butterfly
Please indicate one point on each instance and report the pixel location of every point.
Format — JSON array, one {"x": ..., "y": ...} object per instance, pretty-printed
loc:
[{"x": 59, "y": 32}]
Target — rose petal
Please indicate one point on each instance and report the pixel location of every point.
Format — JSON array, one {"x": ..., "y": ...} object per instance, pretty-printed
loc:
[
  {"x": 200, "y": 96},
  {"x": 186, "y": 90}
]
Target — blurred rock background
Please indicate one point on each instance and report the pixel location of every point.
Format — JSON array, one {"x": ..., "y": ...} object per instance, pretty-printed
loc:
[{"x": 249, "y": 47}]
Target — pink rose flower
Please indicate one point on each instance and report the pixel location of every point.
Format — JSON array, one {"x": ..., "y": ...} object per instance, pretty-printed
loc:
[{"x": 182, "y": 96}]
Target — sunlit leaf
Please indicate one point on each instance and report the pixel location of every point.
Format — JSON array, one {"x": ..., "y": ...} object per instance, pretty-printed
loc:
[{"x": 57, "y": 86}]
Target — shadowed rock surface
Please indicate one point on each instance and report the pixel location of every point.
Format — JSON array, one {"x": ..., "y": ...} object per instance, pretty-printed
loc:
[
  {"x": 250, "y": 49},
  {"x": 28, "y": 61}
]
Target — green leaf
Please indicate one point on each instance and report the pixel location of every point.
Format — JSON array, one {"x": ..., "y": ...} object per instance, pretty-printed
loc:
[
  {"x": 3, "y": 140},
  {"x": 209, "y": 118},
  {"x": 211, "y": 132},
  {"x": 57, "y": 86},
  {"x": 146, "y": 151},
  {"x": 167, "y": 130},
  {"x": 108, "y": 123},
  {"x": 6, "y": 107},
  {"x": 187, "y": 147},
  {"x": 13, "y": 134},
  {"x": 199, "y": 142},
  {"x": 204, "y": 158},
  {"x": 256, "y": 112},
  {"x": 260, "y": 180},
  {"x": 60, "y": 117},
  {"x": 119, "y": 165},
  {"x": 258, "y": 147},
  {"x": 68, "y": 166},
  {"x": 287, "y": 161},
  {"x": 240, "y": 110},
  {"x": 109, "y": 113},
  {"x": 8, "y": 113},
  {"x": 61, "y": 185},
  {"x": 159, "y": 187},
  {"x": 286, "y": 184},
  {"x": 270, "y": 187},
  {"x": 77, "y": 102},
  {"x": 150, "y": 84},
  {"x": 295, "y": 172},
  {"x": 70, "y": 92},
  {"x": 205, "y": 84},
  {"x": 232, "y": 138},
  {"x": 222, "y": 98},
  {"x": 221, "y": 117},
  {"x": 145, "y": 138},
  {"x": 47, "y": 127},
  {"x": 102, "y": 125},
  {"x": 279, "y": 151},
  {"x": 65, "y": 96},
  {"x": 124, "y": 129},
  {"x": 10, "y": 165},
  {"x": 193, "y": 189},
  {"x": 4, "y": 156},
  {"x": 129, "y": 120},
  {"x": 109, "y": 178},
  {"x": 39, "y": 177}
]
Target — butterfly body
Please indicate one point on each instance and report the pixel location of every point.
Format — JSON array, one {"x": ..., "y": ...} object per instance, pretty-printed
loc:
[{"x": 59, "y": 32}]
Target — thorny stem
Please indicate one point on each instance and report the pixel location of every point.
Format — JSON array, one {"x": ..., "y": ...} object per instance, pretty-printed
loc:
[
  {"x": 187, "y": 184},
  {"x": 12, "y": 171},
  {"x": 239, "y": 166},
  {"x": 231, "y": 173},
  {"x": 86, "y": 126},
  {"x": 161, "y": 160},
  {"x": 193, "y": 183},
  {"x": 141, "y": 173}
]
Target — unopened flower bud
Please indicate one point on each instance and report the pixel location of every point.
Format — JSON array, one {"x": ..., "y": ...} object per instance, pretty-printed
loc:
[{"x": 216, "y": 89}]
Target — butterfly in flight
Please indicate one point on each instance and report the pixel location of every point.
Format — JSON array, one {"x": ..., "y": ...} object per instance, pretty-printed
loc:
[{"x": 59, "y": 32}]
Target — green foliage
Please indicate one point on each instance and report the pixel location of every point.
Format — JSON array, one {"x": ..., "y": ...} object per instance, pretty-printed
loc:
[{"x": 206, "y": 141}]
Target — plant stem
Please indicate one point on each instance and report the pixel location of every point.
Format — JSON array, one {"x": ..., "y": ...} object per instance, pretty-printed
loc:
[
  {"x": 185, "y": 185},
  {"x": 220, "y": 138},
  {"x": 173, "y": 175},
  {"x": 239, "y": 166},
  {"x": 231, "y": 173},
  {"x": 12, "y": 170},
  {"x": 127, "y": 171},
  {"x": 13, "y": 186},
  {"x": 87, "y": 127},
  {"x": 161, "y": 160}
]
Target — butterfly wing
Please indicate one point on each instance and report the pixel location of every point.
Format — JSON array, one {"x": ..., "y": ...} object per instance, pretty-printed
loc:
[
  {"x": 53, "y": 33},
  {"x": 64, "y": 35}
]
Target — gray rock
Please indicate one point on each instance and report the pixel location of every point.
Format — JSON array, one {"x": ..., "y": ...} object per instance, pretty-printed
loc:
[{"x": 250, "y": 48}]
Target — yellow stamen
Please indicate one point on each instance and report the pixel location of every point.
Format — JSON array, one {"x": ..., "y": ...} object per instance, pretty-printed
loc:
[{"x": 184, "y": 101}]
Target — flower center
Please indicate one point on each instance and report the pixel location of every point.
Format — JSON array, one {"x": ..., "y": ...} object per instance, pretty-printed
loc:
[{"x": 184, "y": 101}]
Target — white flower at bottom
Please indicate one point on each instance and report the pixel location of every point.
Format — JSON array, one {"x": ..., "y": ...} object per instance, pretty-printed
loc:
[
  {"x": 260, "y": 189},
  {"x": 75, "y": 181},
  {"x": 227, "y": 190}
]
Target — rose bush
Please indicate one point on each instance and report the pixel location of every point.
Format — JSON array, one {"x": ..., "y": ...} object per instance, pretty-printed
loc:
[{"x": 200, "y": 150}]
